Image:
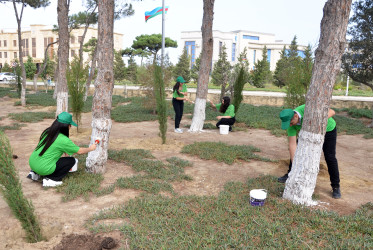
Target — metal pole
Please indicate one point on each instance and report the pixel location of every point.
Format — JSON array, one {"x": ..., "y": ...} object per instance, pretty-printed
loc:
[
  {"x": 163, "y": 33},
  {"x": 348, "y": 80}
]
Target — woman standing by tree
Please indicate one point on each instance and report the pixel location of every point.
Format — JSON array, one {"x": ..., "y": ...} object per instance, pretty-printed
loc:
[
  {"x": 179, "y": 90},
  {"x": 228, "y": 117}
]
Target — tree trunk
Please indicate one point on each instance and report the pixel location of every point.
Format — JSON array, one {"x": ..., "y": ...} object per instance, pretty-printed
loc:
[
  {"x": 91, "y": 74},
  {"x": 63, "y": 55},
  {"x": 101, "y": 106},
  {"x": 20, "y": 54},
  {"x": 55, "y": 80},
  {"x": 205, "y": 67},
  {"x": 302, "y": 178},
  {"x": 83, "y": 37}
]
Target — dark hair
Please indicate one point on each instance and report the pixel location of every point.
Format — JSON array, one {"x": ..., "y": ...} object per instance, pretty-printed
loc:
[
  {"x": 225, "y": 105},
  {"x": 50, "y": 134},
  {"x": 176, "y": 87}
]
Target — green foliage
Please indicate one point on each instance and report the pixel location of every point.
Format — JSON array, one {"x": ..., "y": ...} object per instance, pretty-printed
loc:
[
  {"x": 14, "y": 126},
  {"x": 280, "y": 73},
  {"x": 296, "y": 93},
  {"x": 261, "y": 73},
  {"x": 76, "y": 77},
  {"x": 357, "y": 113},
  {"x": 30, "y": 68},
  {"x": 160, "y": 97},
  {"x": 222, "y": 71},
  {"x": 242, "y": 64},
  {"x": 194, "y": 72},
  {"x": 49, "y": 69},
  {"x": 119, "y": 67},
  {"x": 32, "y": 116},
  {"x": 11, "y": 189},
  {"x": 131, "y": 73},
  {"x": 222, "y": 152},
  {"x": 41, "y": 99},
  {"x": 182, "y": 68},
  {"x": 352, "y": 126},
  {"x": 227, "y": 221},
  {"x": 6, "y": 68},
  {"x": 152, "y": 44},
  {"x": 133, "y": 112},
  {"x": 238, "y": 87}
]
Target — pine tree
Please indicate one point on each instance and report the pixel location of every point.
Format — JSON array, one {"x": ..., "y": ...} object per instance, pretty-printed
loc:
[
  {"x": 131, "y": 74},
  {"x": 242, "y": 64},
  {"x": 279, "y": 75},
  {"x": 6, "y": 68},
  {"x": 222, "y": 71},
  {"x": 30, "y": 68},
  {"x": 262, "y": 72},
  {"x": 119, "y": 67},
  {"x": 182, "y": 68},
  {"x": 195, "y": 69}
]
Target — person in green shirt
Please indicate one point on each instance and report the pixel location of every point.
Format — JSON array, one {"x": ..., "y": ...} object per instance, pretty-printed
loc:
[
  {"x": 46, "y": 159},
  {"x": 292, "y": 121},
  {"x": 178, "y": 96},
  {"x": 228, "y": 117}
]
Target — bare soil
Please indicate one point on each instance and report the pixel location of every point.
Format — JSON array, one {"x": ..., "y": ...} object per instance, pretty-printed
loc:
[{"x": 63, "y": 222}]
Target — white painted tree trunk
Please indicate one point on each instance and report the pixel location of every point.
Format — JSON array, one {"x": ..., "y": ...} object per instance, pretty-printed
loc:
[
  {"x": 199, "y": 115},
  {"x": 96, "y": 160},
  {"x": 302, "y": 179},
  {"x": 205, "y": 67},
  {"x": 62, "y": 102}
]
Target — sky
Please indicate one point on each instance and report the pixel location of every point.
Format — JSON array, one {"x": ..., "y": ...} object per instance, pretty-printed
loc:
[{"x": 284, "y": 18}]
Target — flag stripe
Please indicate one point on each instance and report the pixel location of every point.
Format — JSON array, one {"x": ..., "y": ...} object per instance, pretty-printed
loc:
[{"x": 153, "y": 13}]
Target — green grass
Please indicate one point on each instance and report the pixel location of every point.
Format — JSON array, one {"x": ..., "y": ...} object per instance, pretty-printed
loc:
[
  {"x": 8, "y": 92},
  {"x": 357, "y": 113},
  {"x": 14, "y": 126},
  {"x": 223, "y": 152},
  {"x": 352, "y": 127},
  {"x": 227, "y": 221},
  {"x": 32, "y": 116}
]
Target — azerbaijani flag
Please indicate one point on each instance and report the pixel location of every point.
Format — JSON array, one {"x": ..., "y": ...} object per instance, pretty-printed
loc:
[{"x": 157, "y": 11}]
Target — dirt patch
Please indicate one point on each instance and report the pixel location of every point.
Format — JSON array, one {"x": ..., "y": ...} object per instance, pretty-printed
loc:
[
  {"x": 89, "y": 242},
  {"x": 64, "y": 221}
]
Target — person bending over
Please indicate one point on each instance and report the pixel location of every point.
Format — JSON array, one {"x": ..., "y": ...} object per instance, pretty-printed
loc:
[
  {"x": 292, "y": 121},
  {"x": 228, "y": 117},
  {"x": 46, "y": 159}
]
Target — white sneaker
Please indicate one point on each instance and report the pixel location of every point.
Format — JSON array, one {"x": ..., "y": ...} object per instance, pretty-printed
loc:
[
  {"x": 51, "y": 183},
  {"x": 178, "y": 130},
  {"x": 75, "y": 167},
  {"x": 33, "y": 176}
]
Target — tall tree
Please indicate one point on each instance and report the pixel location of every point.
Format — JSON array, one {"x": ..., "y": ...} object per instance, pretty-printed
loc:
[
  {"x": 34, "y": 4},
  {"x": 302, "y": 179},
  {"x": 63, "y": 55},
  {"x": 182, "y": 68},
  {"x": 119, "y": 67},
  {"x": 102, "y": 99},
  {"x": 30, "y": 67},
  {"x": 262, "y": 72},
  {"x": 199, "y": 113},
  {"x": 91, "y": 47},
  {"x": 242, "y": 64},
  {"x": 358, "y": 60},
  {"x": 152, "y": 44},
  {"x": 194, "y": 72},
  {"x": 280, "y": 74},
  {"x": 222, "y": 71}
]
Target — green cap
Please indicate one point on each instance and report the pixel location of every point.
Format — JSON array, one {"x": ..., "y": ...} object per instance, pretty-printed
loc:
[
  {"x": 180, "y": 79},
  {"x": 286, "y": 115},
  {"x": 66, "y": 118}
]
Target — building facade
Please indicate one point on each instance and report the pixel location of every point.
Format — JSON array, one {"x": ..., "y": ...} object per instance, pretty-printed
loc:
[
  {"x": 235, "y": 42},
  {"x": 36, "y": 39}
]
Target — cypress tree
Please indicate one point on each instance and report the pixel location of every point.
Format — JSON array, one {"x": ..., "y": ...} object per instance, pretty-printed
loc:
[{"x": 182, "y": 68}]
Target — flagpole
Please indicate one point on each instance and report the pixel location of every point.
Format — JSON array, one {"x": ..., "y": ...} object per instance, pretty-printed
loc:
[{"x": 163, "y": 33}]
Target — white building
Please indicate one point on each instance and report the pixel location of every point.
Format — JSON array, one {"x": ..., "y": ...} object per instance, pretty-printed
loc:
[{"x": 235, "y": 42}]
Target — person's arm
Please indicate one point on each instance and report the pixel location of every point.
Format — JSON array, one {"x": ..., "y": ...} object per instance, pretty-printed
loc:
[
  {"x": 212, "y": 104},
  {"x": 182, "y": 98},
  {"x": 222, "y": 116},
  {"x": 86, "y": 150},
  {"x": 292, "y": 146},
  {"x": 331, "y": 113}
]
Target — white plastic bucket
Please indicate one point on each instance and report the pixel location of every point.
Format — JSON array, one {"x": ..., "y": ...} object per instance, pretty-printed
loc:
[
  {"x": 258, "y": 197},
  {"x": 224, "y": 129},
  {"x": 75, "y": 167}
]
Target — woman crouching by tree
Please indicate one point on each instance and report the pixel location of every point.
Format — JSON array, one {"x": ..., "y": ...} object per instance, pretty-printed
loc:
[
  {"x": 46, "y": 159},
  {"x": 228, "y": 112}
]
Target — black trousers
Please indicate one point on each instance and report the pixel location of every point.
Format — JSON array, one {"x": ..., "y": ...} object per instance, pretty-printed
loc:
[
  {"x": 329, "y": 149},
  {"x": 179, "y": 109},
  {"x": 226, "y": 121},
  {"x": 63, "y": 166}
]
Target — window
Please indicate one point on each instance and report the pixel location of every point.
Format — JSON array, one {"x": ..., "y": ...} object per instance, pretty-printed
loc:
[
  {"x": 269, "y": 56},
  {"x": 254, "y": 56},
  {"x": 15, "y": 54},
  {"x": 33, "y": 47},
  {"x": 191, "y": 50},
  {"x": 233, "y": 52},
  {"x": 5, "y": 54},
  {"x": 0, "y": 43},
  {"x": 80, "y": 38},
  {"x": 300, "y": 53},
  {"x": 14, "y": 43},
  {"x": 72, "y": 39},
  {"x": 220, "y": 46},
  {"x": 72, "y": 53},
  {"x": 1, "y": 65},
  {"x": 1, "y": 55},
  {"x": 5, "y": 43},
  {"x": 250, "y": 37}
]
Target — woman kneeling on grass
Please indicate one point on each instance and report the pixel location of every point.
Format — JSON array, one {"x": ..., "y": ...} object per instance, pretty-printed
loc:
[
  {"x": 228, "y": 112},
  {"x": 46, "y": 159}
]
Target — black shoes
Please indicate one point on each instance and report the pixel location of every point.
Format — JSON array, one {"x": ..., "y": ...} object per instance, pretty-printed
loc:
[
  {"x": 336, "y": 193},
  {"x": 283, "y": 178}
]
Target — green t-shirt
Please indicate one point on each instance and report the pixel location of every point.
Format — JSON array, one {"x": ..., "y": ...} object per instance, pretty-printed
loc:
[
  {"x": 293, "y": 130},
  {"x": 175, "y": 94},
  {"x": 229, "y": 111},
  {"x": 46, "y": 164}
]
